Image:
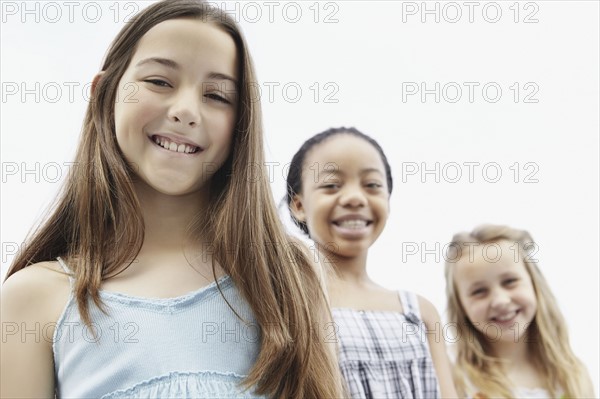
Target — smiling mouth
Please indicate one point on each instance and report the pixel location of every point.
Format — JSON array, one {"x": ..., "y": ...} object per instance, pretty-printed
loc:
[
  {"x": 506, "y": 317},
  {"x": 174, "y": 147},
  {"x": 353, "y": 224}
]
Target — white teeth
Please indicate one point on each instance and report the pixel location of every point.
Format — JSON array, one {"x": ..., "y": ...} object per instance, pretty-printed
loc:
[
  {"x": 353, "y": 224},
  {"x": 506, "y": 317},
  {"x": 171, "y": 146}
]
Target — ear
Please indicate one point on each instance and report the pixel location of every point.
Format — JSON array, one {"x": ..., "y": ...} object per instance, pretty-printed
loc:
[
  {"x": 95, "y": 81},
  {"x": 297, "y": 208}
]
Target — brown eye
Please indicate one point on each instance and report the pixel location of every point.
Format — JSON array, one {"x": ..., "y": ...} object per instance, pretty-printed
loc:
[
  {"x": 330, "y": 186},
  {"x": 510, "y": 282},
  {"x": 158, "y": 82},
  {"x": 217, "y": 97}
]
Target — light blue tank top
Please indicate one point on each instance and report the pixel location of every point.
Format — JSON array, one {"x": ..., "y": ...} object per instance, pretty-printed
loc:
[{"x": 192, "y": 346}]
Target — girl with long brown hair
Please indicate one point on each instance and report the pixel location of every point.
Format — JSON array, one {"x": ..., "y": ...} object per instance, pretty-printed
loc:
[{"x": 163, "y": 269}]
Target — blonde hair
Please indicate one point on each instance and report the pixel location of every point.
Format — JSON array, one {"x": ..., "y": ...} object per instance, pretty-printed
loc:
[
  {"x": 547, "y": 336},
  {"x": 97, "y": 223}
]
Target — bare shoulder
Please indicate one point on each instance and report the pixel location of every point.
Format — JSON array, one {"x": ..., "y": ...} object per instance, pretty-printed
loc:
[
  {"x": 32, "y": 300},
  {"x": 39, "y": 291},
  {"x": 429, "y": 313},
  {"x": 437, "y": 347}
]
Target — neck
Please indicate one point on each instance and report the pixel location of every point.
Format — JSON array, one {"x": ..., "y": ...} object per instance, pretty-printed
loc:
[
  {"x": 167, "y": 218},
  {"x": 349, "y": 270},
  {"x": 514, "y": 353}
]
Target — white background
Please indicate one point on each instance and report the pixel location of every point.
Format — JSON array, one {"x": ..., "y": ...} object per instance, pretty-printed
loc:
[{"x": 364, "y": 56}]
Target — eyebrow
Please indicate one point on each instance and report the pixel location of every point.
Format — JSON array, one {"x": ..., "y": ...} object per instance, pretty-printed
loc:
[
  {"x": 371, "y": 170},
  {"x": 222, "y": 76},
  {"x": 330, "y": 173},
  {"x": 501, "y": 277},
  {"x": 337, "y": 171},
  {"x": 162, "y": 61},
  {"x": 476, "y": 284},
  {"x": 175, "y": 66}
]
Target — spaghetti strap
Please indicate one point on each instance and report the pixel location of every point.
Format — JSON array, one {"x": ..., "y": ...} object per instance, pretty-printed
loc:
[
  {"x": 410, "y": 303},
  {"x": 66, "y": 269}
]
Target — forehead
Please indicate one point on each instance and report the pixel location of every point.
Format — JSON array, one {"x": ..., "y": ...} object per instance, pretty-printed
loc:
[
  {"x": 344, "y": 153},
  {"x": 189, "y": 40},
  {"x": 488, "y": 261}
]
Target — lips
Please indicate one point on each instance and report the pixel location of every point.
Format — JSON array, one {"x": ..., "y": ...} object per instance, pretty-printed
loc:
[
  {"x": 177, "y": 145},
  {"x": 352, "y": 226},
  {"x": 506, "y": 317},
  {"x": 352, "y": 221}
]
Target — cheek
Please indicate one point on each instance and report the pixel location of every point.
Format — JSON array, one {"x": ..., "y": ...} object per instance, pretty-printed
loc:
[
  {"x": 221, "y": 120},
  {"x": 385, "y": 209},
  {"x": 529, "y": 297},
  {"x": 474, "y": 309},
  {"x": 227, "y": 138},
  {"x": 134, "y": 115},
  {"x": 129, "y": 92},
  {"x": 381, "y": 206},
  {"x": 221, "y": 129},
  {"x": 316, "y": 219}
]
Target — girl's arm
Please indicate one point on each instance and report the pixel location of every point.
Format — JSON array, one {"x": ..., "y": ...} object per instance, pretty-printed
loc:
[
  {"x": 437, "y": 346},
  {"x": 31, "y": 302}
]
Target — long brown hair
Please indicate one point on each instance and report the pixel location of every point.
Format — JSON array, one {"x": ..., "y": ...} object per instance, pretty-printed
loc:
[
  {"x": 547, "y": 336},
  {"x": 96, "y": 223}
]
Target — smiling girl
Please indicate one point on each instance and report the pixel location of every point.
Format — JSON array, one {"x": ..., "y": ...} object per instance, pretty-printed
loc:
[
  {"x": 513, "y": 338},
  {"x": 339, "y": 186},
  {"x": 156, "y": 274}
]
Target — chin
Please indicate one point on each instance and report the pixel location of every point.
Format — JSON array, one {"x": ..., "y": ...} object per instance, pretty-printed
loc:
[
  {"x": 351, "y": 252},
  {"x": 172, "y": 189}
]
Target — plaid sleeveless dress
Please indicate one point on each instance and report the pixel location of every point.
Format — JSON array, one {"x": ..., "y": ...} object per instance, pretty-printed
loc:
[{"x": 385, "y": 354}]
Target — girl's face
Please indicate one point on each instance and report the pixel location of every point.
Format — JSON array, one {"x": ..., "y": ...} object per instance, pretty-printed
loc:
[
  {"x": 344, "y": 199},
  {"x": 176, "y": 105},
  {"x": 498, "y": 298}
]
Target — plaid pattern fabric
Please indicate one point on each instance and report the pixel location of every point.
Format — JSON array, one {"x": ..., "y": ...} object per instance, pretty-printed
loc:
[{"x": 385, "y": 354}]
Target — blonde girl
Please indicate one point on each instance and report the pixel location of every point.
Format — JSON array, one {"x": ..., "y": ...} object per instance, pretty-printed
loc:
[
  {"x": 339, "y": 185},
  {"x": 163, "y": 270},
  {"x": 512, "y": 338}
]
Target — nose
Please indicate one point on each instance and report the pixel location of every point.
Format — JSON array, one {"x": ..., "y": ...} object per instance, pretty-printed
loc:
[
  {"x": 500, "y": 298},
  {"x": 352, "y": 196},
  {"x": 186, "y": 109}
]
